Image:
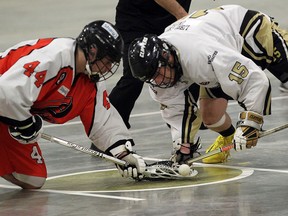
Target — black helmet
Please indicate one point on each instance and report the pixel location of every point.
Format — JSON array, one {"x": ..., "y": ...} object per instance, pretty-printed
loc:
[
  {"x": 106, "y": 38},
  {"x": 146, "y": 56}
]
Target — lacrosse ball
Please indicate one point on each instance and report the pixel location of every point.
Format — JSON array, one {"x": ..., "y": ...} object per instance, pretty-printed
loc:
[{"x": 184, "y": 170}]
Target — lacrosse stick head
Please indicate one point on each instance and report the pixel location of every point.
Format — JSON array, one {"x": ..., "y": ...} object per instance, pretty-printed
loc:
[{"x": 166, "y": 170}]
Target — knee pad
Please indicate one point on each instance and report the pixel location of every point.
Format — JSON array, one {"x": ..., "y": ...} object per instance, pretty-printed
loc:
[
  {"x": 217, "y": 124},
  {"x": 35, "y": 181}
]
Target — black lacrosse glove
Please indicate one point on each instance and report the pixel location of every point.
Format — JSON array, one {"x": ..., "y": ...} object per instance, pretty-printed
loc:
[
  {"x": 186, "y": 152},
  {"x": 29, "y": 133}
]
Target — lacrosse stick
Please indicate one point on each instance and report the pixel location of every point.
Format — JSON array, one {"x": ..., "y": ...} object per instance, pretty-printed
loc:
[
  {"x": 228, "y": 147},
  {"x": 82, "y": 149},
  {"x": 167, "y": 169},
  {"x": 159, "y": 170}
]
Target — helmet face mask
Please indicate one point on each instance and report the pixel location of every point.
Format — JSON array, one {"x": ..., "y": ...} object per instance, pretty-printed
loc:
[
  {"x": 99, "y": 70},
  {"x": 164, "y": 76},
  {"x": 154, "y": 61},
  {"x": 102, "y": 45}
]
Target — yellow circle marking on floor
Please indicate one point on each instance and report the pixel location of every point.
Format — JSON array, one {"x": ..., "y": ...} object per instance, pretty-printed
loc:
[{"x": 112, "y": 181}]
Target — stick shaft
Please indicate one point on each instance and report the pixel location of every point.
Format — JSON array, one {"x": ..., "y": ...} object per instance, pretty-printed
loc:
[
  {"x": 150, "y": 173},
  {"x": 228, "y": 147},
  {"x": 273, "y": 130},
  {"x": 82, "y": 149}
]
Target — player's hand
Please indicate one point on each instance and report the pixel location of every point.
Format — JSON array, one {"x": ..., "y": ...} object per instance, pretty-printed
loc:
[
  {"x": 29, "y": 133},
  {"x": 135, "y": 164},
  {"x": 245, "y": 137},
  {"x": 247, "y": 132},
  {"x": 135, "y": 168},
  {"x": 184, "y": 151}
]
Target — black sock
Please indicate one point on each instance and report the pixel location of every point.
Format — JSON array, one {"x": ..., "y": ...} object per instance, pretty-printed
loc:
[{"x": 228, "y": 131}]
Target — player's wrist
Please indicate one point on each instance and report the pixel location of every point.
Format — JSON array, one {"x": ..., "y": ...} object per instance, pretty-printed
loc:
[
  {"x": 185, "y": 148},
  {"x": 121, "y": 148},
  {"x": 251, "y": 119}
]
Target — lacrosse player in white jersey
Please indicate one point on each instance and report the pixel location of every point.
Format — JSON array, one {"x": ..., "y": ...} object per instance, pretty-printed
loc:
[
  {"x": 58, "y": 79},
  {"x": 225, "y": 51}
]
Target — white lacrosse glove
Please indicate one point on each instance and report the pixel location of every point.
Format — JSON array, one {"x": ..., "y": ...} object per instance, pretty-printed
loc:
[
  {"x": 29, "y": 133},
  {"x": 135, "y": 163},
  {"x": 247, "y": 132}
]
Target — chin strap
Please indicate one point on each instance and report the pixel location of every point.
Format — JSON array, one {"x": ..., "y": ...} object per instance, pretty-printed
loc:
[{"x": 94, "y": 76}]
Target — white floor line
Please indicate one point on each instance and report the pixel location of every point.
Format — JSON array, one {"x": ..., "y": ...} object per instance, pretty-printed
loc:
[
  {"x": 89, "y": 194},
  {"x": 246, "y": 172}
]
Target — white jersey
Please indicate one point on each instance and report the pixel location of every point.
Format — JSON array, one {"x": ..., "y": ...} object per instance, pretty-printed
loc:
[
  {"x": 179, "y": 111},
  {"x": 38, "y": 77},
  {"x": 209, "y": 48},
  {"x": 26, "y": 66}
]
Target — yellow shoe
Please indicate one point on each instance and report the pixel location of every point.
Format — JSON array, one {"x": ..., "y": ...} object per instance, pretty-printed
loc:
[{"x": 222, "y": 156}]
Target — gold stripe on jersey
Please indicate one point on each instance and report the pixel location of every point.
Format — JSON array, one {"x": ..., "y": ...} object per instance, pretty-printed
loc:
[
  {"x": 191, "y": 120},
  {"x": 280, "y": 50},
  {"x": 267, "y": 104},
  {"x": 260, "y": 26},
  {"x": 206, "y": 93}
]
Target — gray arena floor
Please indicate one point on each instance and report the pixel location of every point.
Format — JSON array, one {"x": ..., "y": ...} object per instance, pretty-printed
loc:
[{"x": 252, "y": 182}]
